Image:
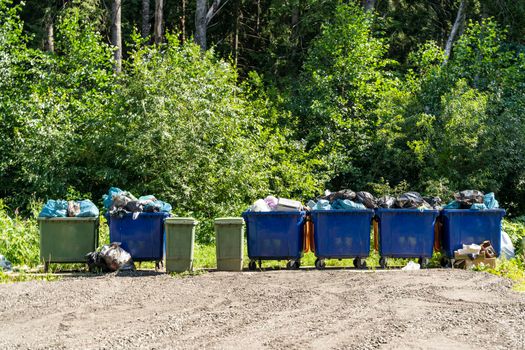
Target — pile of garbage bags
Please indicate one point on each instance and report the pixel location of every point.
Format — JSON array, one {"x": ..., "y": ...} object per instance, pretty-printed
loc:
[
  {"x": 110, "y": 258},
  {"x": 344, "y": 200},
  {"x": 272, "y": 203},
  {"x": 473, "y": 199},
  {"x": 119, "y": 203},
  {"x": 61, "y": 209},
  {"x": 409, "y": 200}
]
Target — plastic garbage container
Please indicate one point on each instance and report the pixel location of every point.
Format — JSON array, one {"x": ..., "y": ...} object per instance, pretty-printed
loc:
[
  {"x": 67, "y": 240},
  {"x": 465, "y": 226},
  {"x": 342, "y": 234},
  {"x": 142, "y": 237},
  {"x": 229, "y": 243},
  {"x": 180, "y": 235},
  {"x": 406, "y": 233},
  {"x": 276, "y": 235}
]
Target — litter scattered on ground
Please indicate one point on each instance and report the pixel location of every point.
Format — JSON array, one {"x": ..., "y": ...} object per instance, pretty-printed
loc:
[
  {"x": 411, "y": 266},
  {"x": 61, "y": 209},
  {"x": 472, "y": 255},
  {"x": 119, "y": 202},
  {"x": 110, "y": 258},
  {"x": 5, "y": 264}
]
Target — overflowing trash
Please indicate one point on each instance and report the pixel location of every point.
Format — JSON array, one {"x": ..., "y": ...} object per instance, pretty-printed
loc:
[
  {"x": 272, "y": 203},
  {"x": 472, "y": 255},
  {"x": 411, "y": 266},
  {"x": 110, "y": 258},
  {"x": 473, "y": 199},
  {"x": 343, "y": 200},
  {"x": 61, "y": 209},
  {"x": 5, "y": 264},
  {"x": 409, "y": 200},
  {"x": 119, "y": 203}
]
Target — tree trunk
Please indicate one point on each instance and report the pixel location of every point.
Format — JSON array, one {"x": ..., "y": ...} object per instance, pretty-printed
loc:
[
  {"x": 369, "y": 5},
  {"x": 159, "y": 4},
  {"x": 236, "y": 31},
  {"x": 145, "y": 19},
  {"x": 183, "y": 22},
  {"x": 116, "y": 35},
  {"x": 50, "y": 41},
  {"x": 460, "y": 18},
  {"x": 200, "y": 24}
]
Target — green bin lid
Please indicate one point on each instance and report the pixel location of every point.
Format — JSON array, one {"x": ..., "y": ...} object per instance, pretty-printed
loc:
[
  {"x": 229, "y": 221},
  {"x": 181, "y": 221},
  {"x": 71, "y": 219}
]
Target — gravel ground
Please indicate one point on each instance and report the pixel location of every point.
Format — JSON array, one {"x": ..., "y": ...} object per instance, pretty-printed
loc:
[{"x": 306, "y": 309}]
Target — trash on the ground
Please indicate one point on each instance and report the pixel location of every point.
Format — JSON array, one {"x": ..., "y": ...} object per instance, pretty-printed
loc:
[
  {"x": 507, "y": 248},
  {"x": 475, "y": 255},
  {"x": 366, "y": 199},
  {"x": 411, "y": 266},
  {"x": 110, "y": 258},
  {"x": 5, "y": 264},
  {"x": 119, "y": 202},
  {"x": 61, "y": 209}
]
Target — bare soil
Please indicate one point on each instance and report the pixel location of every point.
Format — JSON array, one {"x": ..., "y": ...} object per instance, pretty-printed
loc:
[{"x": 306, "y": 309}]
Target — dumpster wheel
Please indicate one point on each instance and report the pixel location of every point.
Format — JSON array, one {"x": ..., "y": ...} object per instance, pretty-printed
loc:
[
  {"x": 293, "y": 264},
  {"x": 423, "y": 262},
  {"x": 359, "y": 263},
  {"x": 320, "y": 264},
  {"x": 445, "y": 262},
  {"x": 383, "y": 262},
  {"x": 252, "y": 265}
]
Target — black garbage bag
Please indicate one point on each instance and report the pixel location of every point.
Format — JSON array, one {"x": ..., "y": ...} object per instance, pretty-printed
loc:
[
  {"x": 343, "y": 194},
  {"x": 411, "y": 200},
  {"x": 468, "y": 197},
  {"x": 386, "y": 202},
  {"x": 366, "y": 199},
  {"x": 110, "y": 258},
  {"x": 435, "y": 202}
]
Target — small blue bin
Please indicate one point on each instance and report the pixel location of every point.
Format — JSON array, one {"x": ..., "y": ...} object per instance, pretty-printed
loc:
[
  {"x": 142, "y": 237},
  {"x": 275, "y": 235},
  {"x": 406, "y": 233},
  {"x": 465, "y": 226},
  {"x": 341, "y": 234}
]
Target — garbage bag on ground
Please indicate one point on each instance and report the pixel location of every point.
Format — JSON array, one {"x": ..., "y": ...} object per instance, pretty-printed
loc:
[
  {"x": 5, "y": 264},
  {"x": 366, "y": 199},
  {"x": 54, "y": 209},
  {"x": 411, "y": 266},
  {"x": 386, "y": 202},
  {"x": 468, "y": 197},
  {"x": 343, "y": 194},
  {"x": 507, "y": 248},
  {"x": 411, "y": 200},
  {"x": 110, "y": 258},
  {"x": 346, "y": 204}
]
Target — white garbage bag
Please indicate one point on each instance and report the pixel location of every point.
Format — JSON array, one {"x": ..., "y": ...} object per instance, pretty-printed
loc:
[{"x": 507, "y": 249}]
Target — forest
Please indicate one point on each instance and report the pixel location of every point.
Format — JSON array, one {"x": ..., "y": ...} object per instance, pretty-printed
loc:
[{"x": 210, "y": 105}]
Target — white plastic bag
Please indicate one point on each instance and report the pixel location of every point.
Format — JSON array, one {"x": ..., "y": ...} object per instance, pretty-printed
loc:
[
  {"x": 507, "y": 249},
  {"x": 260, "y": 206},
  {"x": 411, "y": 266}
]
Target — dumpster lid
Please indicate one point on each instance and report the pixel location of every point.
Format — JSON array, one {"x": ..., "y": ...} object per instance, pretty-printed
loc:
[
  {"x": 181, "y": 221},
  {"x": 229, "y": 221},
  {"x": 87, "y": 218}
]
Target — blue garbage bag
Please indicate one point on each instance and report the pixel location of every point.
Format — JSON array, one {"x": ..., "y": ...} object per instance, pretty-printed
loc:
[
  {"x": 478, "y": 206},
  {"x": 87, "y": 209},
  {"x": 152, "y": 204},
  {"x": 490, "y": 201},
  {"x": 452, "y": 205},
  {"x": 347, "y": 204},
  {"x": 108, "y": 198},
  {"x": 54, "y": 209},
  {"x": 322, "y": 204}
]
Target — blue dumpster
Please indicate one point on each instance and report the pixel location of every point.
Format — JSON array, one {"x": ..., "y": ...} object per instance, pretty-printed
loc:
[
  {"x": 142, "y": 237},
  {"x": 342, "y": 234},
  {"x": 277, "y": 235},
  {"x": 406, "y": 233},
  {"x": 466, "y": 226}
]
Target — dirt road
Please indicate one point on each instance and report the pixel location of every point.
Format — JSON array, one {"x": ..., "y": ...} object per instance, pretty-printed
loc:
[{"x": 308, "y": 309}]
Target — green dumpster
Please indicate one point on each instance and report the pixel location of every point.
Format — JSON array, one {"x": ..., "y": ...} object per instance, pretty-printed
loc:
[
  {"x": 229, "y": 243},
  {"x": 67, "y": 240},
  {"x": 180, "y": 235}
]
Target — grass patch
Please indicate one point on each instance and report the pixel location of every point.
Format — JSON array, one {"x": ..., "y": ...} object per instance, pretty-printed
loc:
[
  {"x": 513, "y": 269},
  {"x": 25, "y": 277}
]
